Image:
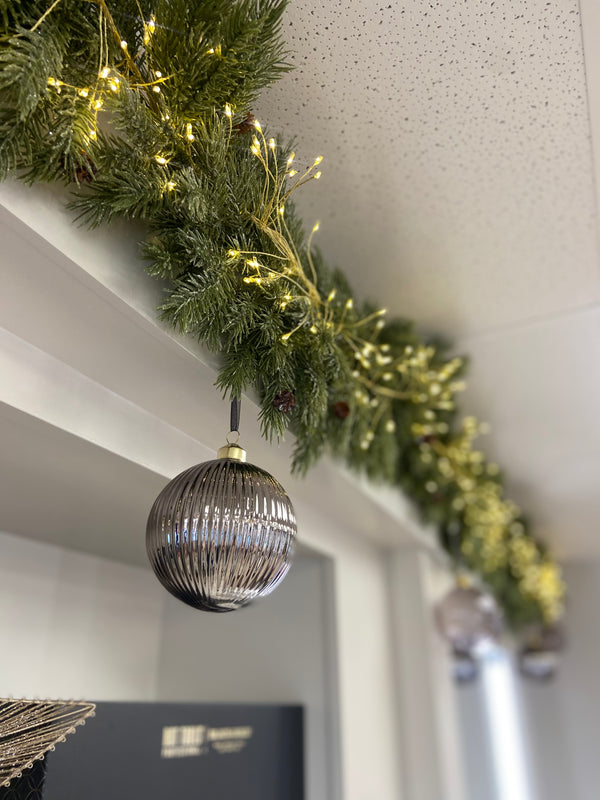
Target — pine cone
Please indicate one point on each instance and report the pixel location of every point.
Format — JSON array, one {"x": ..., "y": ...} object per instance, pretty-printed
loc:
[
  {"x": 246, "y": 125},
  {"x": 341, "y": 409},
  {"x": 284, "y": 401},
  {"x": 84, "y": 173}
]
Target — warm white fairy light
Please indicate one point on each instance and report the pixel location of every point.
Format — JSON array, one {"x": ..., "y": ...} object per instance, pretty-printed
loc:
[
  {"x": 272, "y": 143},
  {"x": 123, "y": 44},
  {"x": 105, "y": 72},
  {"x": 228, "y": 110},
  {"x": 149, "y": 29},
  {"x": 156, "y": 89},
  {"x": 83, "y": 92},
  {"x": 160, "y": 159},
  {"x": 189, "y": 133}
]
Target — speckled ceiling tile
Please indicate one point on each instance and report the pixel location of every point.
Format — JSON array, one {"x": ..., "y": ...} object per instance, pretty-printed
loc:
[{"x": 457, "y": 182}]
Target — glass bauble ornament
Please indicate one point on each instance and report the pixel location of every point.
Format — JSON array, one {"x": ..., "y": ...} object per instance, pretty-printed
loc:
[
  {"x": 539, "y": 655},
  {"x": 470, "y": 619},
  {"x": 221, "y": 533}
]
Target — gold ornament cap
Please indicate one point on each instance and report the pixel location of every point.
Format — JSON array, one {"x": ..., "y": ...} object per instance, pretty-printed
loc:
[{"x": 232, "y": 451}]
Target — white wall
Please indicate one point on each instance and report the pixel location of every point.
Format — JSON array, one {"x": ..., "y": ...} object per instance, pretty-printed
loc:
[
  {"x": 432, "y": 762},
  {"x": 76, "y": 626}
]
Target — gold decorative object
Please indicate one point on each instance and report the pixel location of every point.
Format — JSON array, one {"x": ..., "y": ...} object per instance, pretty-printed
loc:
[{"x": 31, "y": 728}]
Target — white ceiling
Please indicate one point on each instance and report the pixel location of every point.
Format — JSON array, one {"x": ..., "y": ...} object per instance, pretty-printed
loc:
[{"x": 458, "y": 186}]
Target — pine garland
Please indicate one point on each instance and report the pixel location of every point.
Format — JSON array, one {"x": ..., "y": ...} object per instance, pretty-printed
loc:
[{"x": 146, "y": 109}]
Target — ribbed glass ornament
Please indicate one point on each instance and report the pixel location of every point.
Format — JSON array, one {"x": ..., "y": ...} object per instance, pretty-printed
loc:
[
  {"x": 221, "y": 534},
  {"x": 539, "y": 656},
  {"x": 469, "y": 618}
]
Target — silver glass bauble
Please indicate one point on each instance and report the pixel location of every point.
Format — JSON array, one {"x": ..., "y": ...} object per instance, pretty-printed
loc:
[
  {"x": 221, "y": 533},
  {"x": 539, "y": 656},
  {"x": 470, "y": 619}
]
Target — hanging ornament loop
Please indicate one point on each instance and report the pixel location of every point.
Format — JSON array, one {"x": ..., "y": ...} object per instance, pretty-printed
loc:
[
  {"x": 232, "y": 450},
  {"x": 234, "y": 424}
]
